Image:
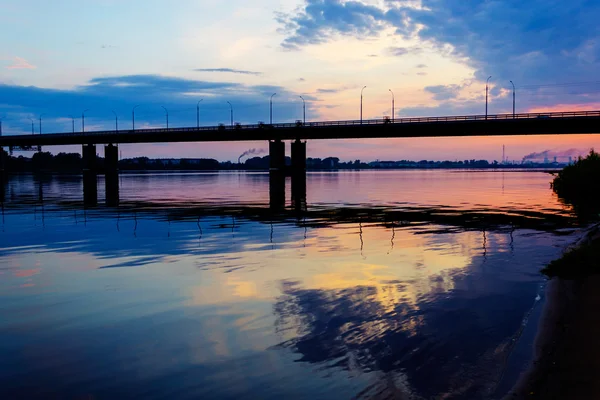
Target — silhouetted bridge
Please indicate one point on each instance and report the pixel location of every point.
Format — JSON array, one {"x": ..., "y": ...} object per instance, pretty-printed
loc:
[
  {"x": 561, "y": 123},
  {"x": 467, "y": 125}
]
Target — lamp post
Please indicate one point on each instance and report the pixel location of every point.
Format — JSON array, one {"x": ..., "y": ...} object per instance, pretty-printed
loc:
[
  {"x": 393, "y": 105},
  {"x": 513, "y": 85},
  {"x": 198, "y": 113},
  {"x": 116, "y": 121},
  {"x": 271, "y": 109},
  {"x": 167, "y": 115},
  {"x": 303, "y": 111},
  {"x": 486, "y": 96},
  {"x": 41, "y": 115},
  {"x": 32, "y": 131},
  {"x": 231, "y": 107},
  {"x": 83, "y": 120},
  {"x": 133, "y": 117},
  {"x": 72, "y": 123},
  {"x": 361, "y": 103}
]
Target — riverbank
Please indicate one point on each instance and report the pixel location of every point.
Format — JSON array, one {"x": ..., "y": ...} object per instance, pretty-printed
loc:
[{"x": 566, "y": 362}]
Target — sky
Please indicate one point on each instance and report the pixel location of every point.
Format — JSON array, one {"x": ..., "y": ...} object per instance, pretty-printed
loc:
[{"x": 61, "y": 58}]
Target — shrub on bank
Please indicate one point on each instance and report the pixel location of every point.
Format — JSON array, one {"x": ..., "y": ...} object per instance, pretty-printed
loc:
[
  {"x": 577, "y": 263},
  {"x": 579, "y": 185}
]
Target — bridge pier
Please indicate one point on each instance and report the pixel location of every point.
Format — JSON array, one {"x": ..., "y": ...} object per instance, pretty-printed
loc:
[
  {"x": 90, "y": 175},
  {"x": 276, "y": 156},
  {"x": 299, "y": 175},
  {"x": 111, "y": 167}
]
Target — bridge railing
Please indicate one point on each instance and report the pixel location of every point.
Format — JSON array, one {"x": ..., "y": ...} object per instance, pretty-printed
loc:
[{"x": 385, "y": 121}]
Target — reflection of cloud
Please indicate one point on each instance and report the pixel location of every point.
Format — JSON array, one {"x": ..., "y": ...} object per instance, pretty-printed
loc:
[
  {"x": 21, "y": 63},
  {"x": 25, "y": 273}
]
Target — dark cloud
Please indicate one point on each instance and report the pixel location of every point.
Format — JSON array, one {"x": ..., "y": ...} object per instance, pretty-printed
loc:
[
  {"x": 121, "y": 93},
  {"x": 230, "y": 70},
  {"x": 320, "y": 19},
  {"x": 421, "y": 66},
  {"x": 328, "y": 90}
]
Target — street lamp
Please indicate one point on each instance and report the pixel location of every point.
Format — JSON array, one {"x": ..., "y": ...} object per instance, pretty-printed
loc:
[
  {"x": 393, "y": 105},
  {"x": 41, "y": 115},
  {"x": 83, "y": 120},
  {"x": 198, "y": 114},
  {"x": 271, "y": 109},
  {"x": 116, "y": 121},
  {"x": 72, "y": 123},
  {"x": 486, "y": 95},
  {"x": 167, "y": 115},
  {"x": 361, "y": 103},
  {"x": 303, "y": 110},
  {"x": 32, "y": 131},
  {"x": 133, "y": 117},
  {"x": 230, "y": 106},
  {"x": 513, "y": 85}
]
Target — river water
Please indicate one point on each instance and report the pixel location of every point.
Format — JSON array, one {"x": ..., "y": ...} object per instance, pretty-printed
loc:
[{"x": 378, "y": 284}]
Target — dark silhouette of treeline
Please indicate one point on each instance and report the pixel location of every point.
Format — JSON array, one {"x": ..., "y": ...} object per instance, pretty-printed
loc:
[{"x": 72, "y": 163}]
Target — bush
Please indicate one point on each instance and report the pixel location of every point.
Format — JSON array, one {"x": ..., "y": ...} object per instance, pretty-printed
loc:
[
  {"x": 579, "y": 185},
  {"x": 580, "y": 262}
]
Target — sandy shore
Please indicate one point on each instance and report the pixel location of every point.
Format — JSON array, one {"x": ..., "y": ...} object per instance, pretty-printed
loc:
[{"x": 566, "y": 363}]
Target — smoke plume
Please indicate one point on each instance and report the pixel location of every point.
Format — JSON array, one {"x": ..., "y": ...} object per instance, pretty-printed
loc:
[
  {"x": 249, "y": 152},
  {"x": 560, "y": 155}
]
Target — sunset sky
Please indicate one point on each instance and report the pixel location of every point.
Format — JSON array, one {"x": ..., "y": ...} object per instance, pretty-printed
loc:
[{"x": 59, "y": 58}]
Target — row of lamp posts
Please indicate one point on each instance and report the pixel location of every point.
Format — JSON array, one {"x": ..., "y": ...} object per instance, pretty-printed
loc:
[{"x": 270, "y": 111}]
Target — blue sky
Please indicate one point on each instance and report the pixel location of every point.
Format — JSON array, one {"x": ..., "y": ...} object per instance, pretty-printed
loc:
[{"x": 60, "y": 58}]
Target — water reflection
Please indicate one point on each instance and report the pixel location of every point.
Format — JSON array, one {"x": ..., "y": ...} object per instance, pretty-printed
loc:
[{"x": 212, "y": 292}]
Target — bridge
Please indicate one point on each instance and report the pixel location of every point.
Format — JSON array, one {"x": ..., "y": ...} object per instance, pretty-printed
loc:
[{"x": 552, "y": 123}]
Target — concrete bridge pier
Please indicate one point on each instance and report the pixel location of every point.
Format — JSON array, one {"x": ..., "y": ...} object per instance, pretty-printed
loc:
[
  {"x": 111, "y": 167},
  {"x": 299, "y": 175},
  {"x": 90, "y": 175},
  {"x": 277, "y": 174}
]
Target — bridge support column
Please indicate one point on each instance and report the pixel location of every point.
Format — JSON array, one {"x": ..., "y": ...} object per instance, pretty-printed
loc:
[
  {"x": 277, "y": 174},
  {"x": 90, "y": 175},
  {"x": 111, "y": 166},
  {"x": 299, "y": 175},
  {"x": 276, "y": 155}
]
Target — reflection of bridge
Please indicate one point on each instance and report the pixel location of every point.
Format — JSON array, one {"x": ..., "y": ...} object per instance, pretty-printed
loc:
[
  {"x": 465, "y": 126},
  {"x": 299, "y": 213}
]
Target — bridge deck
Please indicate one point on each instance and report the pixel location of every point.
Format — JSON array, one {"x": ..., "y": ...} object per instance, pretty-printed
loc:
[{"x": 468, "y": 125}]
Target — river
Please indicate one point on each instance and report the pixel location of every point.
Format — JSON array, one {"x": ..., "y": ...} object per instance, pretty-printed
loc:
[{"x": 381, "y": 284}]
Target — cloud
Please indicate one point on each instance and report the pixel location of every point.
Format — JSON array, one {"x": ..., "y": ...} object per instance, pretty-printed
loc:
[
  {"x": 536, "y": 42},
  {"x": 151, "y": 92},
  {"x": 230, "y": 70},
  {"x": 20, "y": 63},
  {"x": 421, "y": 66},
  {"x": 402, "y": 51},
  {"x": 319, "y": 20},
  {"x": 444, "y": 92},
  {"x": 328, "y": 90}
]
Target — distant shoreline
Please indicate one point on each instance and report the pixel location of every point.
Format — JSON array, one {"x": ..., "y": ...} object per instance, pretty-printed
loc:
[{"x": 192, "y": 171}]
